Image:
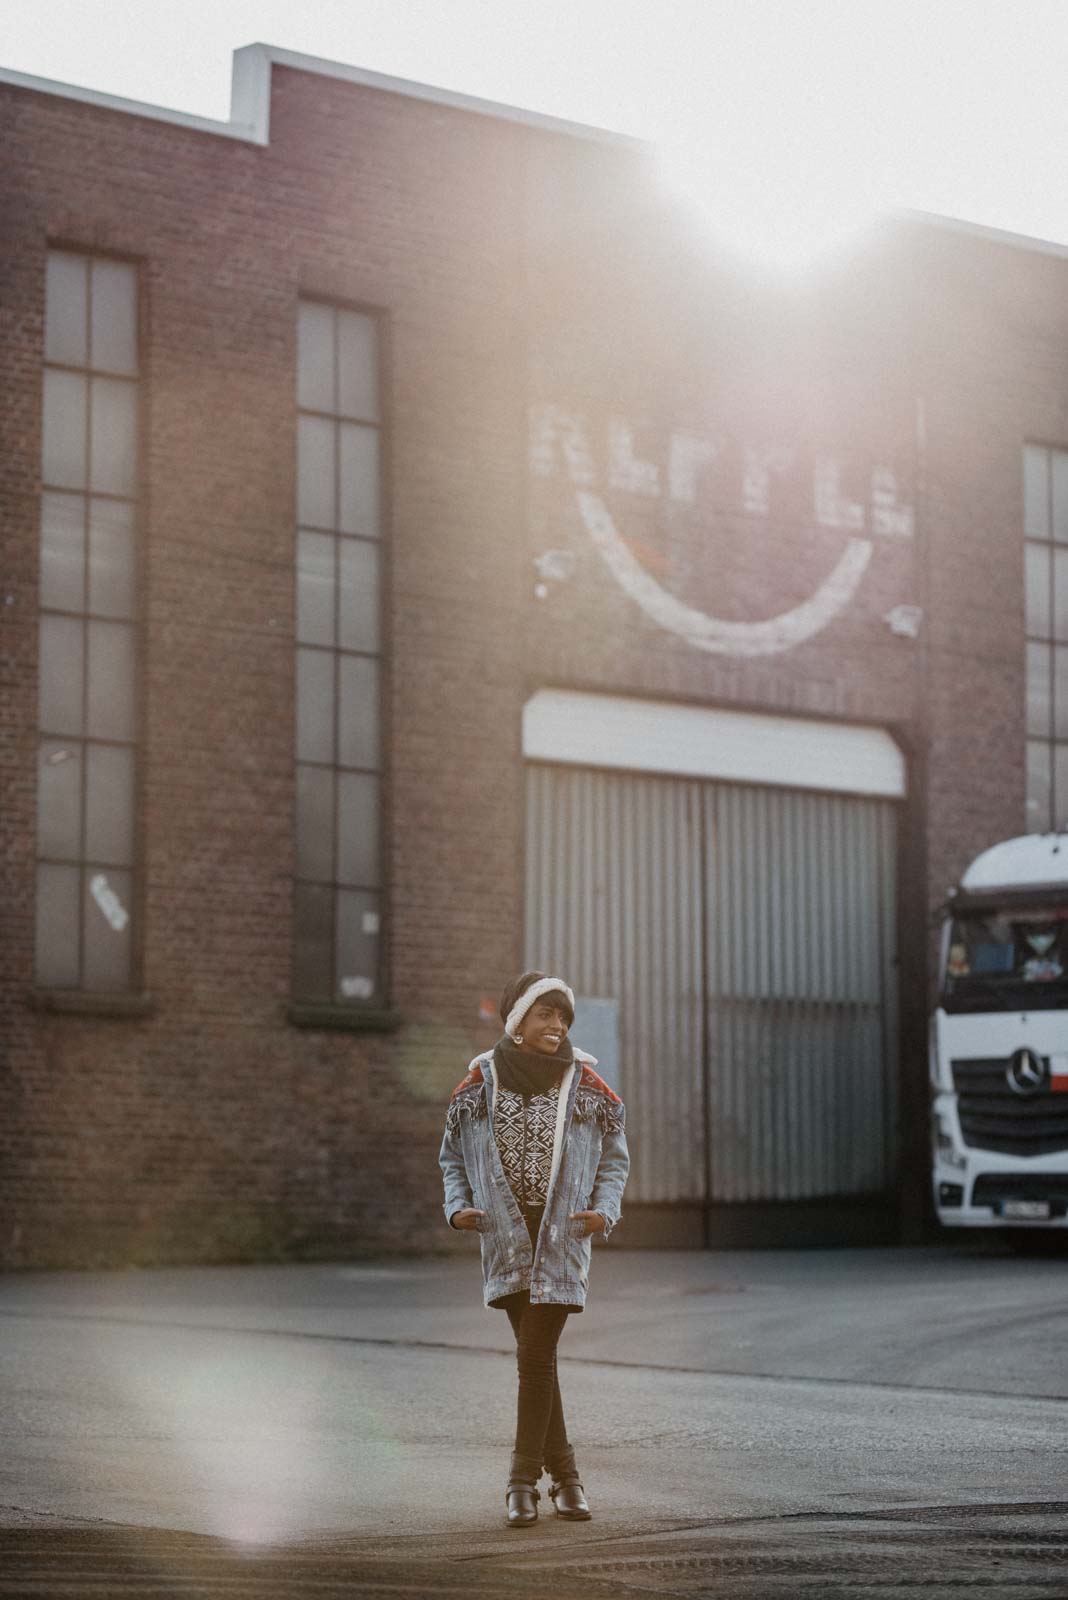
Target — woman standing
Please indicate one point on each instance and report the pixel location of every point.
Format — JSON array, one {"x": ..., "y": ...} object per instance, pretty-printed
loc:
[{"x": 534, "y": 1159}]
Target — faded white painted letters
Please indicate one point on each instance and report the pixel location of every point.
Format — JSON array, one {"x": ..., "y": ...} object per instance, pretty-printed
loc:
[{"x": 559, "y": 438}]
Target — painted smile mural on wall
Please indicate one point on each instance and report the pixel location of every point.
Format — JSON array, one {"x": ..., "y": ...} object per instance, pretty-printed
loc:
[{"x": 562, "y": 436}]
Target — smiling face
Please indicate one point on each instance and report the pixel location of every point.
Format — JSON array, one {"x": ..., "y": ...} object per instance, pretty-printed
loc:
[{"x": 544, "y": 1028}]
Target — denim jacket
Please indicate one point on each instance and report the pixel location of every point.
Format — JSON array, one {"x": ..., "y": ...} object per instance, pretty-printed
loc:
[{"x": 590, "y": 1166}]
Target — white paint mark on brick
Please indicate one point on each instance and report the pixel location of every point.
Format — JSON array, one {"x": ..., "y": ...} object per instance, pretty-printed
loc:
[
  {"x": 905, "y": 621},
  {"x": 687, "y": 455},
  {"x": 557, "y": 435},
  {"x": 783, "y": 632},
  {"x": 555, "y": 564},
  {"x": 553, "y": 428},
  {"x": 888, "y": 515},
  {"x": 832, "y": 509},
  {"x": 625, "y": 470}
]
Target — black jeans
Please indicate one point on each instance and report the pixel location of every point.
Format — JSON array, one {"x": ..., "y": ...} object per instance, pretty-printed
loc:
[{"x": 540, "y": 1432}]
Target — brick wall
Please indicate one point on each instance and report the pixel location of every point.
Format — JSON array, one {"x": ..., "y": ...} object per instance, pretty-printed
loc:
[
  {"x": 213, "y": 1128},
  {"x": 517, "y": 270}
]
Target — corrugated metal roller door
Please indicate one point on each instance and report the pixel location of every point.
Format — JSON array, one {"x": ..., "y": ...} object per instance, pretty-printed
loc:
[{"x": 747, "y": 934}]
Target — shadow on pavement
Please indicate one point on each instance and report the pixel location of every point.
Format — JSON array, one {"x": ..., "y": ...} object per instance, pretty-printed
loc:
[{"x": 993, "y": 1551}]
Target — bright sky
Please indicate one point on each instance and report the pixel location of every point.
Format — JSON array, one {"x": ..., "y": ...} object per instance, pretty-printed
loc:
[{"x": 787, "y": 120}]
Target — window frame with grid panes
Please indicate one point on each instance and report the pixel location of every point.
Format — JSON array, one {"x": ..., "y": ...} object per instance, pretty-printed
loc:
[
  {"x": 89, "y": 626},
  {"x": 1045, "y": 475},
  {"x": 339, "y": 889}
]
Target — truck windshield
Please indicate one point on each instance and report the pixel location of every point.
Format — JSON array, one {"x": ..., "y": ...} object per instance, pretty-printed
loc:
[{"x": 1008, "y": 961}]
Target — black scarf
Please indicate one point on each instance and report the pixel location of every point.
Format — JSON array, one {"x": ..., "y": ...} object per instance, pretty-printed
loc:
[{"x": 528, "y": 1073}]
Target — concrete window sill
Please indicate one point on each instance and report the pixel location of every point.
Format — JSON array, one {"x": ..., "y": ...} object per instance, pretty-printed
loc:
[
  {"x": 344, "y": 1019},
  {"x": 89, "y": 1003}
]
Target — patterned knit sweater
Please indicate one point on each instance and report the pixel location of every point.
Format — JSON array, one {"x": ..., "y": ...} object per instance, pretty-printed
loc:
[{"x": 524, "y": 1134}]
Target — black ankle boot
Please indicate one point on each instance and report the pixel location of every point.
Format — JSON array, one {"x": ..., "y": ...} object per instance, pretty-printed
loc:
[
  {"x": 522, "y": 1502},
  {"x": 570, "y": 1501}
]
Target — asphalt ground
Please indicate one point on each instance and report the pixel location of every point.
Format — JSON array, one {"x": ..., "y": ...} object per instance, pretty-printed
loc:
[{"x": 763, "y": 1423}]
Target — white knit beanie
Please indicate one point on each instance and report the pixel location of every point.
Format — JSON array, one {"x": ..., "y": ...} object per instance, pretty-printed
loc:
[{"x": 528, "y": 997}]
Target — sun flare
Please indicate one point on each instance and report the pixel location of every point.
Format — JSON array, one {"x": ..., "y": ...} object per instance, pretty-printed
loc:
[{"x": 781, "y": 214}]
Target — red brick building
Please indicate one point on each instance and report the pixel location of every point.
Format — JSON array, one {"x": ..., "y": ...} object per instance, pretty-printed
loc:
[{"x": 426, "y": 555}]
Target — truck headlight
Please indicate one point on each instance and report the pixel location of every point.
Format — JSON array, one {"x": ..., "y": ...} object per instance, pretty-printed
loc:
[{"x": 946, "y": 1153}]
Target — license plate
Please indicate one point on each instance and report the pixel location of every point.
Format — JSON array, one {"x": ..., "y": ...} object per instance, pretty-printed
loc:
[{"x": 1026, "y": 1210}]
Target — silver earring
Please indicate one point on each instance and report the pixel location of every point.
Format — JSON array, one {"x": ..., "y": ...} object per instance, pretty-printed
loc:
[{"x": 519, "y": 1038}]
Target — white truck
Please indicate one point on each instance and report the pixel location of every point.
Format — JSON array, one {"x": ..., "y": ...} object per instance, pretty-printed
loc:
[{"x": 999, "y": 1044}]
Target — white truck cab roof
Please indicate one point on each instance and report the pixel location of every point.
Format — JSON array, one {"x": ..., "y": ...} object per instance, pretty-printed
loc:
[{"x": 1033, "y": 859}]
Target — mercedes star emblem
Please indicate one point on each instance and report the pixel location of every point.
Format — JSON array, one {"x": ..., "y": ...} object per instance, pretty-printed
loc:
[{"x": 1026, "y": 1072}]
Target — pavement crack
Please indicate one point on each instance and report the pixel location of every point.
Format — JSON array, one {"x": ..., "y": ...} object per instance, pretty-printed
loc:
[{"x": 67, "y": 1519}]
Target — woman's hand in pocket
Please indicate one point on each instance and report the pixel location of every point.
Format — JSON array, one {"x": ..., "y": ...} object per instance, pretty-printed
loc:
[
  {"x": 468, "y": 1217},
  {"x": 592, "y": 1222}
]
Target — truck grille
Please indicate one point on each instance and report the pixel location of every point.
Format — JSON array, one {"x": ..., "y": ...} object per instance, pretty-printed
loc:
[
  {"x": 992, "y": 1117},
  {"x": 990, "y": 1188}
]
